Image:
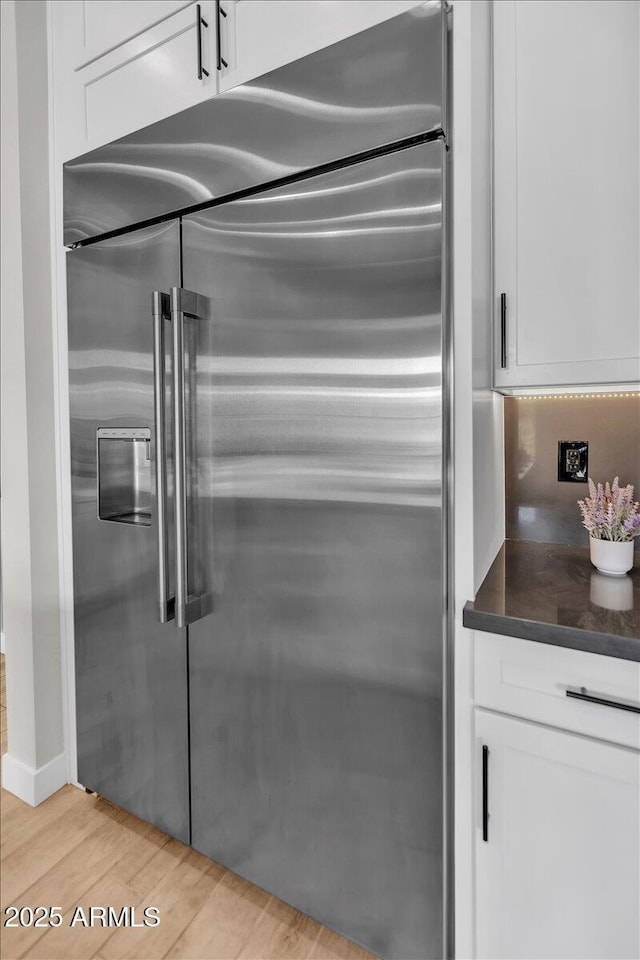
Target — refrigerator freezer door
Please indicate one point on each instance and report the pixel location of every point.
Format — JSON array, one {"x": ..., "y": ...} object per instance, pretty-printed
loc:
[
  {"x": 315, "y": 525},
  {"x": 131, "y": 671}
]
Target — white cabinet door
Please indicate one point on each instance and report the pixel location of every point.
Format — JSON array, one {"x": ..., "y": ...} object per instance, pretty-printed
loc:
[
  {"x": 150, "y": 77},
  {"x": 259, "y": 35},
  {"x": 558, "y": 875},
  {"x": 100, "y": 26},
  {"x": 147, "y": 78},
  {"x": 567, "y": 190}
]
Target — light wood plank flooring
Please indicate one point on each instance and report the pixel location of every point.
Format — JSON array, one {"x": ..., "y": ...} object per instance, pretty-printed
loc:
[{"x": 77, "y": 850}]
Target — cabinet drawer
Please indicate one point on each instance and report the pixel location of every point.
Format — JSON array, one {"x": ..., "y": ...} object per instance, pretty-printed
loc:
[{"x": 532, "y": 680}]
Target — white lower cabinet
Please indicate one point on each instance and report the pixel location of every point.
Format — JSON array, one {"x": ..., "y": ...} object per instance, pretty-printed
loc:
[{"x": 558, "y": 874}]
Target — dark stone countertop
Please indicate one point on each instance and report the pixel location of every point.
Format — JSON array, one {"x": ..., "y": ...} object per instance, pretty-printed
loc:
[{"x": 552, "y": 594}]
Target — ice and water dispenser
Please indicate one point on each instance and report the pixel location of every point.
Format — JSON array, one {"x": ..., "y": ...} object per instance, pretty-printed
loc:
[{"x": 124, "y": 475}]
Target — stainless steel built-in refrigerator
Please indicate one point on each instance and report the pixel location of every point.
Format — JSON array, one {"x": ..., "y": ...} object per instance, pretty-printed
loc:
[{"x": 257, "y": 357}]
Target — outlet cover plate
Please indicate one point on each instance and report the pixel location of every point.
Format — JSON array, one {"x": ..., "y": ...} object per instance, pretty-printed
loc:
[{"x": 573, "y": 461}]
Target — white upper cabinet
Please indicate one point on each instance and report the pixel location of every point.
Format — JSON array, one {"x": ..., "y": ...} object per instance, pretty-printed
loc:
[
  {"x": 567, "y": 191},
  {"x": 557, "y": 867},
  {"x": 259, "y": 35},
  {"x": 118, "y": 67},
  {"x": 99, "y": 26}
]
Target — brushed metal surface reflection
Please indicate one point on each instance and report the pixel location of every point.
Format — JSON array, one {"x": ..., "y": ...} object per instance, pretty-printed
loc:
[
  {"x": 316, "y": 524},
  {"x": 131, "y": 676},
  {"x": 381, "y": 85}
]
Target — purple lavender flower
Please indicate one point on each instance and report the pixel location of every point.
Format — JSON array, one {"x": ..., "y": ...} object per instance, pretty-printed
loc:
[
  {"x": 632, "y": 525},
  {"x": 610, "y": 512}
]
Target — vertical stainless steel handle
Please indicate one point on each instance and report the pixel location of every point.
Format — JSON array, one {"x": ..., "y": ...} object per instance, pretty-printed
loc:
[
  {"x": 188, "y": 607},
  {"x": 160, "y": 314},
  {"x": 200, "y": 23},
  {"x": 177, "y": 319}
]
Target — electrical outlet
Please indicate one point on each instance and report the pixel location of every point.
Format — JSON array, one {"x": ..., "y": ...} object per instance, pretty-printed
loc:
[{"x": 573, "y": 461}]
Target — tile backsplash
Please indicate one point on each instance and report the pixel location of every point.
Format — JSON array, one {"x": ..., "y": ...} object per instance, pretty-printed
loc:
[{"x": 538, "y": 506}]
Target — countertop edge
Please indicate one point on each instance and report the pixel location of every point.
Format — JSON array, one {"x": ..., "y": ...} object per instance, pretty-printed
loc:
[{"x": 607, "y": 645}]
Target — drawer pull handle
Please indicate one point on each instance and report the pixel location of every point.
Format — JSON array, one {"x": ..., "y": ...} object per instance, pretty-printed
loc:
[{"x": 581, "y": 693}]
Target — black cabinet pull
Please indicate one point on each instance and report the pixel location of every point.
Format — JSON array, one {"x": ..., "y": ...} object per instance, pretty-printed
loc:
[
  {"x": 581, "y": 693},
  {"x": 200, "y": 23},
  {"x": 219, "y": 13},
  {"x": 503, "y": 330},
  {"x": 485, "y": 793}
]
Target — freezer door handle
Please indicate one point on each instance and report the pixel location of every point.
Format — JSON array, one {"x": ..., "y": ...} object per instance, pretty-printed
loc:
[
  {"x": 160, "y": 314},
  {"x": 188, "y": 607}
]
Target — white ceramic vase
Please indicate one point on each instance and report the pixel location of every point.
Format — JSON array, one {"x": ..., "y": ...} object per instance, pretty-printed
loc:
[{"x": 615, "y": 558}]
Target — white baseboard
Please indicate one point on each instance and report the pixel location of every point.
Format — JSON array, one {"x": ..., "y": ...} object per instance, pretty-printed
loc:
[
  {"x": 33, "y": 786},
  {"x": 2, "y": 650}
]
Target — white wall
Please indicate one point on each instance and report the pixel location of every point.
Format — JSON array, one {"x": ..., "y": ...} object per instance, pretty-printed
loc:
[{"x": 35, "y": 763}]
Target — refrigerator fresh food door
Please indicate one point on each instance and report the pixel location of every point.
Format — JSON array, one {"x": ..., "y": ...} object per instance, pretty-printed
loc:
[
  {"x": 131, "y": 670},
  {"x": 314, "y": 513}
]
